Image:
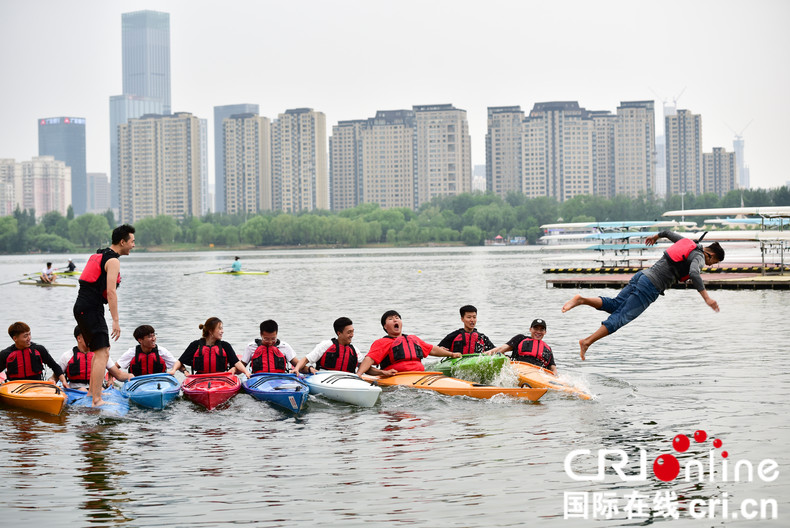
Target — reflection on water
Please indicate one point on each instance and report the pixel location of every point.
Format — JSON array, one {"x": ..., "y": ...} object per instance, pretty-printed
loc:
[{"x": 416, "y": 458}]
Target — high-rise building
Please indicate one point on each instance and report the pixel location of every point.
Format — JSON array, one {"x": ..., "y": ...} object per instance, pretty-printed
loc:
[
  {"x": 345, "y": 164},
  {"x": 683, "y": 132},
  {"x": 220, "y": 114},
  {"x": 206, "y": 204},
  {"x": 64, "y": 139},
  {"x": 603, "y": 152},
  {"x": 160, "y": 167},
  {"x": 10, "y": 186},
  {"x": 719, "y": 169},
  {"x": 387, "y": 158},
  {"x": 46, "y": 185},
  {"x": 247, "y": 155},
  {"x": 122, "y": 109},
  {"x": 444, "y": 152},
  {"x": 634, "y": 148},
  {"x": 503, "y": 149},
  {"x": 98, "y": 192},
  {"x": 300, "y": 178},
  {"x": 146, "y": 55},
  {"x": 738, "y": 145}
]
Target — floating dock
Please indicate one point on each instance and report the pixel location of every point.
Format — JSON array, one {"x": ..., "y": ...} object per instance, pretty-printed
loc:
[
  {"x": 717, "y": 281},
  {"x": 733, "y": 268}
]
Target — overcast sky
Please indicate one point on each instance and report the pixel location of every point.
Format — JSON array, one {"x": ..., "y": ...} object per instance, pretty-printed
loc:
[{"x": 348, "y": 59}]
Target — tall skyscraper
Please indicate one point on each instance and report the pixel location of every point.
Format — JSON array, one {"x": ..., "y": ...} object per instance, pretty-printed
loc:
[
  {"x": 10, "y": 186},
  {"x": 146, "y": 55},
  {"x": 46, "y": 185},
  {"x": 738, "y": 146},
  {"x": 98, "y": 192},
  {"x": 300, "y": 178},
  {"x": 635, "y": 146},
  {"x": 345, "y": 164},
  {"x": 64, "y": 139},
  {"x": 160, "y": 167},
  {"x": 603, "y": 152},
  {"x": 719, "y": 169},
  {"x": 683, "y": 132},
  {"x": 388, "y": 159},
  {"x": 248, "y": 162},
  {"x": 444, "y": 152},
  {"x": 205, "y": 205},
  {"x": 220, "y": 114},
  {"x": 503, "y": 149}
]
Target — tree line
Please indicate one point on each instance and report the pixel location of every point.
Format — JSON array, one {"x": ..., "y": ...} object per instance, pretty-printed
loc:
[{"x": 467, "y": 218}]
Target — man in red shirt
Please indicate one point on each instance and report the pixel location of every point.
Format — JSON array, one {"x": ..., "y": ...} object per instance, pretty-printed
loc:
[{"x": 399, "y": 352}]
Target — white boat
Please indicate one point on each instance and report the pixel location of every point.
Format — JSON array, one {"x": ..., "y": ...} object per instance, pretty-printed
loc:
[{"x": 343, "y": 387}]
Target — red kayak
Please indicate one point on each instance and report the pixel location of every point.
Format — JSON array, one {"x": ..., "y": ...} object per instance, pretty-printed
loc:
[{"x": 210, "y": 390}]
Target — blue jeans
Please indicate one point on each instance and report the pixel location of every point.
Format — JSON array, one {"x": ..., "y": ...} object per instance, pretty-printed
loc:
[{"x": 632, "y": 300}]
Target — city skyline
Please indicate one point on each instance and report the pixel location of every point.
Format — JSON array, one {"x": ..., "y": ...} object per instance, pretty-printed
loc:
[{"x": 470, "y": 55}]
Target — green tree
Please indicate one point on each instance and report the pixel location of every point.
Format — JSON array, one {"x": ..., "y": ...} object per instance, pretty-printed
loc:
[
  {"x": 472, "y": 235},
  {"x": 8, "y": 234},
  {"x": 48, "y": 242},
  {"x": 156, "y": 231},
  {"x": 89, "y": 230}
]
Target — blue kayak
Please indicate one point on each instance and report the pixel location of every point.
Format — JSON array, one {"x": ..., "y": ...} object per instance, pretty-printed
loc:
[
  {"x": 119, "y": 404},
  {"x": 153, "y": 391},
  {"x": 282, "y": 390}
]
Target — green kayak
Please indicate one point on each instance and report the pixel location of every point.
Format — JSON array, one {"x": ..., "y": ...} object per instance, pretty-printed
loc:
[{"x": 473, "y": 367}]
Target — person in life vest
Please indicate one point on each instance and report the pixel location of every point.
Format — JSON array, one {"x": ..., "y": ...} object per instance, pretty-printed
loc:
[
  {"x": 147, "y": 357},
  {"x": 99, "y": 281},
  {"x": 467, "y": 340},
  {"x": 77, "y": 363},
  {"x": 48, "y": 274},
  {"x": 333, "y": 354},
  {"x": 268, "y": 353},
  {"x": 399, "y": 352},
  {"x": 25, "y": 360},
  {"x": 682, "y": 261},
  {"x": 209, "y": 354},
  {"x": 530, "y": 349}
]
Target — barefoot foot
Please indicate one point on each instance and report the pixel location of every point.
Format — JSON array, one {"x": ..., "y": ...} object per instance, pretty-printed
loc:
[
  {"x": 573, "y": 303},
  {"x": 102, "y": 402},
  {"x": 583, "y": 348}
]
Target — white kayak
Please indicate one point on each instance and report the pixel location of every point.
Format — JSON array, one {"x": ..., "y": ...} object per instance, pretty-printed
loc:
[{"x": 343, "y": 387}]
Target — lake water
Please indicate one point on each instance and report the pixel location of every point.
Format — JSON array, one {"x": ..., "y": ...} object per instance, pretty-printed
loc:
[{"x": 415, "y": 459}]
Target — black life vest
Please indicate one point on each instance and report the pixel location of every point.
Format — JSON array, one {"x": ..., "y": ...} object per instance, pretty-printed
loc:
[
  {"x": 94, "y": 275},
  {"x": 267, "y": 358},
  {"x": 209, "y": 359},
  {"x": 24, "y": 364},
  {"x": 150, "y": 363},
  {"x": 678, "y": 255},
  {"x": 532, "y": 351},
  {"x": 339, "y": 357},
  {"x": 468, "y": 343},
  {"x": 404, "y": 348},
  {"x": 78, "y": 369}
]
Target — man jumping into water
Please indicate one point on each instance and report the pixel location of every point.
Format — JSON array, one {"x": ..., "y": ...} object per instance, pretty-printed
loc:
[{"x": 681, "y": 261}]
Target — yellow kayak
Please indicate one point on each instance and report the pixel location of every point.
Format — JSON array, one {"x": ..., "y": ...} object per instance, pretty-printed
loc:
[
  {"x": 530, "y": 375},
  {"x": 31, "y": 282},
  {"x": 438, "y": 382},
  {"x": 41, "y": 396}
]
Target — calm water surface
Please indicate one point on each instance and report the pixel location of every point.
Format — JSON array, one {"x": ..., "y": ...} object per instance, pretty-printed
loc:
[{"x": 415, "y": 459}]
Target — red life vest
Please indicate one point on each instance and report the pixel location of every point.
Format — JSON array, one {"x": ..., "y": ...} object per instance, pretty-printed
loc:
[
  {"x": 209, "y": 359},
  {"x": 24, "y": 364},
  {"x": 532, "y": 351},
  {"x": 404, "y": 348},
  {"x": 78, "y": 369},
  {"x": 467, "y": 343},
  {"x": 339, "y": 357},
  {"x": 678, "y": 255},
  {"x": 267, "y": 358},
  {"x": 94, "y": 275},
  {"x": 147, "y": 363}
]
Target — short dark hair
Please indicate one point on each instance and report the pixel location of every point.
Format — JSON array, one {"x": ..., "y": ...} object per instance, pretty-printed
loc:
[
  {"x": 269, "y": 326},
  {"x": 717, "y": 250},
  {"x": 465, "y": 309},
  {"x": 77, "y": 331},
  {"x": 17, "y": 328},
  {"x": 341, "y": 323},
  {"x": 388, "y": 313},
  {"x": 142, "y": 331},
  {"x": 49, "y": 264},
  {"x": 122, "y": 232}
]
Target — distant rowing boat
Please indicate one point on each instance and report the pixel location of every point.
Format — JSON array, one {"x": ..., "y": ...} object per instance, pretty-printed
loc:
[
  {"x": 237, "y": 272},
  {"x": 47, "y": 284}
]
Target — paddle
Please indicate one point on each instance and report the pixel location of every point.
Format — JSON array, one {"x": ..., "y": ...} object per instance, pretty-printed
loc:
[{"x": 206, "y": 271}]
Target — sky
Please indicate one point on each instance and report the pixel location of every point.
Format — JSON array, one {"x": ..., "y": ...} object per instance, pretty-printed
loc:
[{"x": 726, "y": 60}]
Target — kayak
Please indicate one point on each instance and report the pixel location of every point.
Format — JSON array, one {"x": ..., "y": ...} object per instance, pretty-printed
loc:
[
  {"x": 530, "y": 375},
  {"x": 211, "y": 390},
  {"x": 117, "y": 403},
  {"x": 282, "y": 390},
  {"x": 440, "y": 383},
  {"x": 343, "y": 387},
  {"x": 480, "y": 367},
  {"x": 41, "y": 396},
  {"x": 237, "y": 272},
  {"x": 153, "y": 391},
  {"x": 31, "y": 282},
  {"x": 70, "y": 273}
]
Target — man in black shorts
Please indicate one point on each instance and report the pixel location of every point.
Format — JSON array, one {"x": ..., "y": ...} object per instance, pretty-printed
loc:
[{"x": 98, "y": 283}]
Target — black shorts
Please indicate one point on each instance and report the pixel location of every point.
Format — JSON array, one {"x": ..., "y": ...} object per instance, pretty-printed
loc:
[{"x": 93, "y": 327}]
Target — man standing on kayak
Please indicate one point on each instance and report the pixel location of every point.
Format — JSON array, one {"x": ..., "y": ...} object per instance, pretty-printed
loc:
[
  {"x": 98, "y": 284},
  {"x": 399, "y": 352},
  {"x": 682, "y": 261}
]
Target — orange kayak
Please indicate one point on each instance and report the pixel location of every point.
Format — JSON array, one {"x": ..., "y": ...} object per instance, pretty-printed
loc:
[
  {"x": 530, "y": 375},
  {"x": 41, "y": 396},
  {"x": 436, "y": 381}
]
